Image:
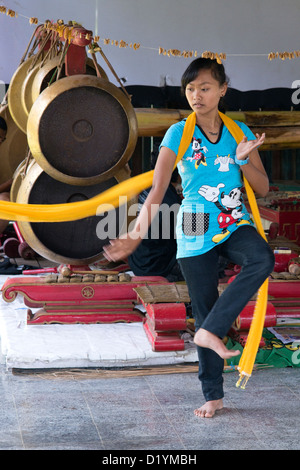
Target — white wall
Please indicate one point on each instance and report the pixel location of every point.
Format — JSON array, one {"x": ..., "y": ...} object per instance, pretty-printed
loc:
[{"x": 241, "y": 27}]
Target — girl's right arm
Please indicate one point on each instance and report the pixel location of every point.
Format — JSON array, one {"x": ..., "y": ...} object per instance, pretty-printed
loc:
[{"x": 123, "y": 246}]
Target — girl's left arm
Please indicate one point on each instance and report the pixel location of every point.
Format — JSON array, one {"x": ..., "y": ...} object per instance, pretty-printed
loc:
[{"x": 254, "y": 170}]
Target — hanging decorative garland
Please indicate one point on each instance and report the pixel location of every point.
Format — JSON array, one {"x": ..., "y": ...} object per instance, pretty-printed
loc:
[
  {"x": 65, "y": 31},
  {"x": 283, "y": 55}
]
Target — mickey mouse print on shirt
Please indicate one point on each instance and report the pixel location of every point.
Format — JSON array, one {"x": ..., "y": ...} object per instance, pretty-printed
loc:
[
  {"x": 230, "y": 206},
  {"x": 229, "y": 202},
  {"x": 198, "y": 154},
  {"x": 202, "y": 223}
]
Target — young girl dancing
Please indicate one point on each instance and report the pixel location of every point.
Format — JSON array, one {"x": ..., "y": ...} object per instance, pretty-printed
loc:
[{"x": 212, "y": 222}]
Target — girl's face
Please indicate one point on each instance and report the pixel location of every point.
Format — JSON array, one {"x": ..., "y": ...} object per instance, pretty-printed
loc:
[{"x": 204, "y": 93}]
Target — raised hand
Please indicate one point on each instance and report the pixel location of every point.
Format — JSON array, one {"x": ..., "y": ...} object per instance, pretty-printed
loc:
[{"x": 246, "y": 146}]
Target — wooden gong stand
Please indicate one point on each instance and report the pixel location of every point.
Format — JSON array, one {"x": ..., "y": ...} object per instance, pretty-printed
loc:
[{"x": 77, "y": 294}]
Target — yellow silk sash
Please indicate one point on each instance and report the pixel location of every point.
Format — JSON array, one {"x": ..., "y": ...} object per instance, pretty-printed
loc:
[{"x": 130, "y": 188}]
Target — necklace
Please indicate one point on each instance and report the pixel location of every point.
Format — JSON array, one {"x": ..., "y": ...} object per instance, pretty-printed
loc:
[{"x": 217, "y": 124}]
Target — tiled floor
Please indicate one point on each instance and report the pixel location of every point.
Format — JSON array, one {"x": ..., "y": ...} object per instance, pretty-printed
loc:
[
  {"x": 52, "y": 411},
  {"x": 62, "y": 409}
]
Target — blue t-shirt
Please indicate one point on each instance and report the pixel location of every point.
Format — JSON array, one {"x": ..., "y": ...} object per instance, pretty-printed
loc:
[{"x": 212, "y": 206}]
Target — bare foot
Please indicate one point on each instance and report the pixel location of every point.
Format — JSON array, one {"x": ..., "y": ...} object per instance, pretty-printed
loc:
[
  {"x": 206, "y": 339},
  {"x": 209, "y": 408}
]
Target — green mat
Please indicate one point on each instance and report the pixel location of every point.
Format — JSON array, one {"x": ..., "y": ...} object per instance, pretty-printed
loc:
[{"x": 275, "y": 353}]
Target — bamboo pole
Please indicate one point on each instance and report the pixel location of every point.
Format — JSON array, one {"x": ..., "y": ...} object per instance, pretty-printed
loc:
[{"x": 282, "y": 128}]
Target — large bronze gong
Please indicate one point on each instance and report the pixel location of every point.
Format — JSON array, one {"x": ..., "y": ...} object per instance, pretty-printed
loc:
[
  {"x": 82, "y": 130},
  {"x": 76, "y": 242},
  {"x": 14, "y": 149},
  {"x": 26, "y": 99},
  {"x": 13, "y": 97},
  {"x": 18, "y": 176}
]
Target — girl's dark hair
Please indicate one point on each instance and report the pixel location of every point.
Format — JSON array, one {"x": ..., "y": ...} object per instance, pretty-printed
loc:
[{"x": 191, "y": 73}]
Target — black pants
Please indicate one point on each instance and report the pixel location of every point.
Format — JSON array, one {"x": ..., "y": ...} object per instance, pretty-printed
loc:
[{"x": 249, "y": 250}]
